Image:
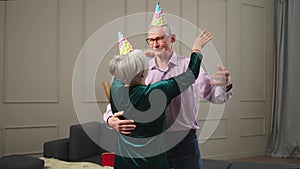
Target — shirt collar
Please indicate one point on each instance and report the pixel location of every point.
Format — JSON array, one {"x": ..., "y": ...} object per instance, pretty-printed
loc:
[{"x": 173, "y": 61}]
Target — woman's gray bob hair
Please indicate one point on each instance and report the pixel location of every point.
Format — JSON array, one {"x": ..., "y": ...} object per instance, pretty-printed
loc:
[{"x": 130, "y": 67}]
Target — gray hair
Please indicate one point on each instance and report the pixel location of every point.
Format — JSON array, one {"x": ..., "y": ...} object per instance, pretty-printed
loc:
[
  {"x": 129, "y": 67},
  {"x": 166, "y": 27}
]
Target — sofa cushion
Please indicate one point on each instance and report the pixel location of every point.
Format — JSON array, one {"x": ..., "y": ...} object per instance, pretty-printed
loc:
[
  {"x": 93, "y": 159},
  {"x": 58, "y": 149},
  {"x": 215, "y": 164},
  {"x": 20, "y": 162},
  {"x": 259, "y": 165},
  {"x": 81, "y": 145}
]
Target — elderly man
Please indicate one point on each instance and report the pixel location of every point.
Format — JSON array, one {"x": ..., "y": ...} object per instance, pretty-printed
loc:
[{"x": 181, "y": 115}]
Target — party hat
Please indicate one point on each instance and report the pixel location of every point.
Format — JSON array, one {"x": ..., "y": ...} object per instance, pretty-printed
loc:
[
  {"x": 159, "y": 18},
  {"x": 124, "y": 46}
]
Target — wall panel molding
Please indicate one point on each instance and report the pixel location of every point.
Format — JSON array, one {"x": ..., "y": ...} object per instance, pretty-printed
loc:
[
  {"x": 32, "y": 52},
  {"x": 253, "y": 53},
  {"x": 1, "y": 142},
  {"x": 92, "y": 10},
  {"x": 27, "y": 139},
  {"x": 252, "y": 126},
  {"x": 219, "y": 133}
]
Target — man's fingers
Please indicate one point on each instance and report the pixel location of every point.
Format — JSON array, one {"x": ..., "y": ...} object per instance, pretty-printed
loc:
[
  {"x": 222, "y": 77},
  {"x": 219, "y": 75},
  {"x": 125, "y": 122},
  {"x": 219, "y": 79},
  {"x": 120, "y": 113},
  {"x": 221, "y": 68},
  {"x": 125, "y": 132},
  {"x": 217, "y": 83},
  {"x": 202, "y": 33},
  {"x": 126, "y": 128},
  {"x": 126, "y": 125},
  {"x": 208, "y": 38},
  {"x": 202, "y": 39}
]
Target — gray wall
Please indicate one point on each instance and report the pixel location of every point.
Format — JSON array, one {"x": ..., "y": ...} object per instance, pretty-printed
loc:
[{"x": 41, "y": 40}]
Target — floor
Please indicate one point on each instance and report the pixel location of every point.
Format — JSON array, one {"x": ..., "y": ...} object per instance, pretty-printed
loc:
[{"x": 270, "y": 160}]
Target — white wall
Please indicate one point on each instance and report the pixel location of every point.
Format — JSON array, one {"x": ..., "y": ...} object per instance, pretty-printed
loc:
[{"x": 41, "y": 40}]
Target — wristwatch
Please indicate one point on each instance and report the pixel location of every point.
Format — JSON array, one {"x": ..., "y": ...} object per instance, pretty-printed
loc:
[{"x": 229, "y": 87}]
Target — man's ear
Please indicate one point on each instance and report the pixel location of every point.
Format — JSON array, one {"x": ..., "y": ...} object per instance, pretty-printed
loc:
[{"x": 173, "y": 38}]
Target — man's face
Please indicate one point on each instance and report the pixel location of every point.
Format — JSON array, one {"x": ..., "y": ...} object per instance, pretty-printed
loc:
[{"x": 159, "y": 41}]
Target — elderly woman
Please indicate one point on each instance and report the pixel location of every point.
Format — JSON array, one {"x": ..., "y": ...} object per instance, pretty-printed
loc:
[{"x": 145, "y": 104}]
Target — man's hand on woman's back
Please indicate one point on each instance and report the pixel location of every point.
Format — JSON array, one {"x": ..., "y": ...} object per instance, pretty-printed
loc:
[{"x": 121, "y": 126}]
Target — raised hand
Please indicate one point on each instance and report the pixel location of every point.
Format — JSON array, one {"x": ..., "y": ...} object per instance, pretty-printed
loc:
[
  {"x": 221, "y": 77},
  {"x": 203, "y": 38}
]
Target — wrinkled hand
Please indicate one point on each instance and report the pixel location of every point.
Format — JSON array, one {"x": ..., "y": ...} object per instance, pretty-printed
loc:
[
  {"x": 121, "y": 126},
  {"x": 221, "y": 77},
  {"x": 201, "y": 40}
]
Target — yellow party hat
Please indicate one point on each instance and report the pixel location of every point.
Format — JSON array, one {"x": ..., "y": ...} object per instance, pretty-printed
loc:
[
  {"x": 159, "y": 18},
  {"x": 124, "y": 46}
]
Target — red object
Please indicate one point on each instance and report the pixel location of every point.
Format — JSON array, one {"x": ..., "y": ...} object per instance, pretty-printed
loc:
[{"x": 108, "y": 159}]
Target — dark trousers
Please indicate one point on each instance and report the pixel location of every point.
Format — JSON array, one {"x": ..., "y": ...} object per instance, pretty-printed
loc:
[{"x": 186, "y": 154}]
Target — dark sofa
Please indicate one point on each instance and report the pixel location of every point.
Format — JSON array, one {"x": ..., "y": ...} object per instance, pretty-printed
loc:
[{"x": 80, "y": 147}]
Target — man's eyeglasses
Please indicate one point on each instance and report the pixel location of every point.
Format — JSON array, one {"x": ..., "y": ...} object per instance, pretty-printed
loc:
[{"x": 159, "y": 39}]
